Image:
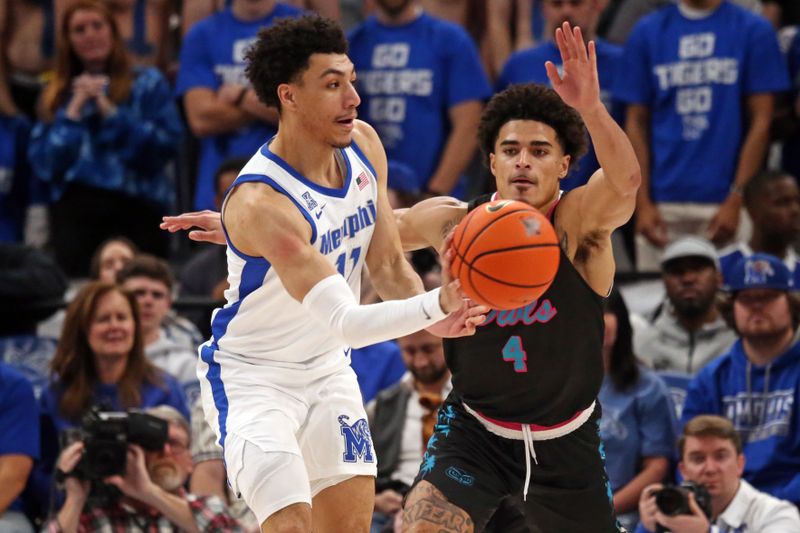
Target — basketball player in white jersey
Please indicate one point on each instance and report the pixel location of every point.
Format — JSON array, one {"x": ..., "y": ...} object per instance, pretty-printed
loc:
[{"x": 305, "y": 214}]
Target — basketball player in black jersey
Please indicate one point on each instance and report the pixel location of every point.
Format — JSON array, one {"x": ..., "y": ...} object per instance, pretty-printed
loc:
[
  {"x": 517, "y": 441},
  {"x": 521, "y": 422}
]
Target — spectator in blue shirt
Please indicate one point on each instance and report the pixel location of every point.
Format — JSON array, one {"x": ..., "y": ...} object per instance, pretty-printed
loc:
[
  {"x": 757, "y": 383},
  {"x": 221, "y": 108},
  {"x": 699, "y": 79},
  {"x": 107, "y": 133},
  {"x": 422, "y": 88},
  {"x": 638, "y": 426},
  {"x": 19, "y": 446},
  {"x": 99, "y": 361}
]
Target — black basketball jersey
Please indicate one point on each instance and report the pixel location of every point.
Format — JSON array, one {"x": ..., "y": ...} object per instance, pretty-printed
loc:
[{"x": 539, "y": 364}]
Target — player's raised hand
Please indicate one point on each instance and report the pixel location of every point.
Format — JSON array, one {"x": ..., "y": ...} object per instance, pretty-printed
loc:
[
  {"x": 208, "y": 222},
  {"x": 578, "y": 84}
]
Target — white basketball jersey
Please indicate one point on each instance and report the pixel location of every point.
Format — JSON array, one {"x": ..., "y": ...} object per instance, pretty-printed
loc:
[{"x": 261, "y": 323}]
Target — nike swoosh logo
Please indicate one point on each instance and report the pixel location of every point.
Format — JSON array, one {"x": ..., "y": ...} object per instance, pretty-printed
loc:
[
  {"x": 425, "y": 312},
  {"x": 318, "y": 214},
  {"x": 347, "y": 352}
]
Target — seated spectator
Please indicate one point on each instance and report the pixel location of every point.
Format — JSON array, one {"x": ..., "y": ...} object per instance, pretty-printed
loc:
[
  {"x": 19, "y": 446},
  {"x": 757, "y": 383},
  {"x": 686, "y": 331},
  {"x": 711, "y": 455},
  {"x": 170, "y": 341},
  {"x": 205, "y": 274},
  {"x": 152, "y": 490},
  {"x": 107, "y": 132},
  {"x": 772, "y": 199},
  {"x": 109, "y": 258},
  {"x": 638, "y": 423},
  {"x": 402, "y": 418},
  {"x": 99, "y": 361},
  {"x": 209, "y": 477},
  {"x": 31, "y": 289}
]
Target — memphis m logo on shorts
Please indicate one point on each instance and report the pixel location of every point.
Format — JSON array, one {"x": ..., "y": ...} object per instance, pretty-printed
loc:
[{"x": 357, "y": 440}]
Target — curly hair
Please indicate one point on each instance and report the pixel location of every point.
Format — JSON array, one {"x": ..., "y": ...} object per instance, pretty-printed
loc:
[
  {"x": 532, "y": 101},
  {"x": 282, "y": 51}
]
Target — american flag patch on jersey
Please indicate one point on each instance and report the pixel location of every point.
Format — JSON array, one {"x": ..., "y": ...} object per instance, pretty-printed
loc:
[{"x": 362, "y": 181}]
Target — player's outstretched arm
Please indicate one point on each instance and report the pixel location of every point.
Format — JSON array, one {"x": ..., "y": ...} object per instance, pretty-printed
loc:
[
  {"x": 428, "y": 222},
  {"x": 312, "y": 280},
  {"x": 205, "y": 226},
  {"x": 610, "y": 196}
]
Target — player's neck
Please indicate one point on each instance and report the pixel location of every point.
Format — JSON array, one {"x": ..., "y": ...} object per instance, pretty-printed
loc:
[
  {"x": 249, "y": 11},
  {"x": 313, "y": 159}
]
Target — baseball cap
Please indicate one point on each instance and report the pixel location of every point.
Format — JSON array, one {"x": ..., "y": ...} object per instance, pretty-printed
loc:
[
  {"x": 690, "y": 246},
  {"x": 760, "y": 271}
]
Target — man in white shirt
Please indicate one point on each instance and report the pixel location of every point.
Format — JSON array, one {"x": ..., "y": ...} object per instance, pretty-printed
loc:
[{"x": 711, "y": 455}]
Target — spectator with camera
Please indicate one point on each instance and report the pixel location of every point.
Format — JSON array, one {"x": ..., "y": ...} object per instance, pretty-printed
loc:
[
  {"x": 714, "y": 498},
  {"x": 151, "y": 486},
  {"x": 99, "y": 360},
  {"x": 756, "y": 384}
]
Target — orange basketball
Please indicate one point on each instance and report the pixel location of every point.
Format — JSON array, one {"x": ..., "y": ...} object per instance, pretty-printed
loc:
[{"x": 506, "y": 254}]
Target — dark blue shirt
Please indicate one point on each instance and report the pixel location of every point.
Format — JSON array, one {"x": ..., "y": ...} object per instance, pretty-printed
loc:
[{"x": 19, "y": 418}]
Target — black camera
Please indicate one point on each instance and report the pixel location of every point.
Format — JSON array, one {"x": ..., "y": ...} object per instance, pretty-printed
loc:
[
  {"x": 106, "y": 435},
  {"x": 673, "y": 500}
]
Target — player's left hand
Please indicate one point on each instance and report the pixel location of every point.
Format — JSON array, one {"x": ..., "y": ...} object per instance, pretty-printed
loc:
[
  {"x": 578, "y": 83},
  {"x": 208, "y": 222},
  {"x": 697, "y": 522},
  {"x": 725, "y": 221}
]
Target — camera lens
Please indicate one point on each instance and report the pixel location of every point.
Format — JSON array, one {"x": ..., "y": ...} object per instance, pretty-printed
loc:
[{"x": 670, "y": 501}]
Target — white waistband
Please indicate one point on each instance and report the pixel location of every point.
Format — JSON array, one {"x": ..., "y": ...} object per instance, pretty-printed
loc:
[
  {"x": 541, "y": 434},
  {"x": 528, "y": 435}
]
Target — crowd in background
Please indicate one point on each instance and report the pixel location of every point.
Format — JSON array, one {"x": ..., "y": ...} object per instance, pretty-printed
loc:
[{"x": 114, "y": 113}]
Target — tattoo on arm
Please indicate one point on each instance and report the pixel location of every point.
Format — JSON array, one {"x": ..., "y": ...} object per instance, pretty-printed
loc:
[{"x": 427, "y": 504}]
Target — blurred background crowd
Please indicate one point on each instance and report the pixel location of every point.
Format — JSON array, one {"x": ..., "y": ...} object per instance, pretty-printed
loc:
[{"x": 114, "y": 113}]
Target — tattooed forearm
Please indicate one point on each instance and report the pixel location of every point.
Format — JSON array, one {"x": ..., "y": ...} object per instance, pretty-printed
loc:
[{"x": 427, "y": 505}]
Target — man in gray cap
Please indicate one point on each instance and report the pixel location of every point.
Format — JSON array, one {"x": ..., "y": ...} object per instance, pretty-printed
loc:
[{"x": 686, "y": 330}]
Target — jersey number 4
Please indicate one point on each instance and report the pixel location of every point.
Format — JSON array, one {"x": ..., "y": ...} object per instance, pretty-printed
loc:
[
  {"x": 515, "y": 353},
  {"x": 355, "y": 253}
]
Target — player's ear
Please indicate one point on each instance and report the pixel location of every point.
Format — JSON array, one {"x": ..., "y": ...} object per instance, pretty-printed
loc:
[
  {"x": 286, "y": 95},
  {"x": 564, "y": 167},
  {"x": 491, "y": 163}
]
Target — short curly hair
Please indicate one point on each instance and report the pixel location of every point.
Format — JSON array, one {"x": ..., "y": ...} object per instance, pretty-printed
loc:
[
  {"x": 282, "y": 51},
  {"x": 531, "y": 101}
]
